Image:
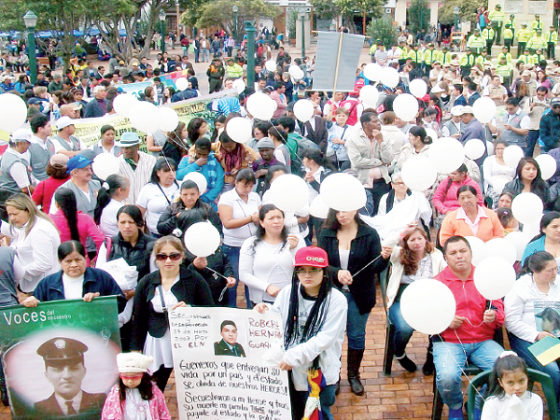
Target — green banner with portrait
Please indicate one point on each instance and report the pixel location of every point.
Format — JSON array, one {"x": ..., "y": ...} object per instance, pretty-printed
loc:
[{"x": 59, "y": 359}]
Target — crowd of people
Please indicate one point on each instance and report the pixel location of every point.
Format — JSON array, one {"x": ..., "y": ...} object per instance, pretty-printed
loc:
[{"x": 65, "y": 227}]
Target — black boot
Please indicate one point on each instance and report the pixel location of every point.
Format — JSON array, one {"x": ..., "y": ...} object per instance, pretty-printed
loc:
[
  {"x": 406, "y": 363},
  {"x": 337, "y": 387},
  {"x": 428, "y": 368},
  {"x": 354, "y": 362}
]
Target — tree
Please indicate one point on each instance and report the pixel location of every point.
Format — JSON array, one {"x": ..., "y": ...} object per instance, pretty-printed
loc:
[
  {"x": 349, "y": 8},
  {"x": 418, "y": 16},
  {"x": 384, "y": 30},
  {"x": 325, "y": 9},
  {"x": 220, "y": 13},
  {"x": 467, "y": 11}
]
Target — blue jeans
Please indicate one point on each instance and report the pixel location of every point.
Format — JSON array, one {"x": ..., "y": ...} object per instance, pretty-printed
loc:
[
  {"x": 403, "y": 331},
  {"x": 355, "y": 324},
  {"x": 232, "y": 253},
  {"x": 521, "y": 348},
  {"x": 532, "y": 139},
  {"x": 205, "y": 55},
  {"x": 449, "y": 358}
]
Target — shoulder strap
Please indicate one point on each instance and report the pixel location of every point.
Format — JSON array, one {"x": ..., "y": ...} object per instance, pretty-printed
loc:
[
  {"x": 165, "y": 195},
  {"x": 160, "y": 288}
]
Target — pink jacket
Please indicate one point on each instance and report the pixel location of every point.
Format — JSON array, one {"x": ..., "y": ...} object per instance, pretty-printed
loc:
[
  {"x": 282, "y": 104},
  {"x": 86, "y": 228},
  {"x": 449, "y": 203},
  {"x": 114, "y": 409}
]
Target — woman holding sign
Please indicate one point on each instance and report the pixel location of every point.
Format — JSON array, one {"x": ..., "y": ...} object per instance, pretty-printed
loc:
[
  {"x": 158, "y": 293},
  {"x": 314, "y": 314}
]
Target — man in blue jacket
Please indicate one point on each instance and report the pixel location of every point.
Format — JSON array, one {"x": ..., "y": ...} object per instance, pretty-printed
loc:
[{"x": 550, "y": 126}]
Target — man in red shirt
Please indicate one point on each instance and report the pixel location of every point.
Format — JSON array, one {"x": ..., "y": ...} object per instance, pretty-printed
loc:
[{"x": 470, "y": 335}]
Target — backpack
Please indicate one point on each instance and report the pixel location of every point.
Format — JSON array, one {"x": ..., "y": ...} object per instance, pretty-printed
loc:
[
  {"x": 351, "y": 105},
  {"x": 303, "y": 145}
]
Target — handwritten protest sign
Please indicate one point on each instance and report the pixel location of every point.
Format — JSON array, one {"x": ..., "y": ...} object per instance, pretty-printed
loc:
[{"x": 219, "y": 367}]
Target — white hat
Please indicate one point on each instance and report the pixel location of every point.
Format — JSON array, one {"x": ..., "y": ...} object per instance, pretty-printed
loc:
[
  {"x": 456, "y": 111},
  {"x": 437, "y": 89},
  {"x": 64, "y": 122},
  {"x": 133, "y": 362},
  {"x": 21, "y": 134}
]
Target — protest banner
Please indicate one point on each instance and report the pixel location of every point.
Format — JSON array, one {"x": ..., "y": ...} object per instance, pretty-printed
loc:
[
  {"x": 134, "y": 88},
  {"x": 60, "y": 351},
  {"x": 219, "y": 368}
]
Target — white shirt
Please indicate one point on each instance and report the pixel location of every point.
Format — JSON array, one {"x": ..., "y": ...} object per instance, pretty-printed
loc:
[
  {"x": 136, "y": 408},
  {"x": 37, "y": 252},
  {"x": 525, "y": 123},
  {"x": 240, "y": 209},
  {"x": 108, "y": 220},
  {"x": 155, "y": 199},
  {"x": 76, "y": 402},
  {"x": 73, "y": 286},
  {"x": 529, "y": 407},
  {"x": 58, "y": 147}
]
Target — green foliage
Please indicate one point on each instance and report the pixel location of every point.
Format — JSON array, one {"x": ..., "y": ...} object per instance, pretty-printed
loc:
[
  {"x": 325, "y": 9},
  {"x": 384, "y": 30},
  {"x": 372, "y": 8},
  {"x": 418, "y": 16},
  {"x": 220, "y": 13},
  {"x": 467, "y": 11}
]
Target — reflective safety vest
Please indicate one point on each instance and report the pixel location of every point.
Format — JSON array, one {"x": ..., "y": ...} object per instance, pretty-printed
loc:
[
  {"x": 467, "y": 60},
  {"x": 416, "y": 56},
  {"x": 537, "y": 42},
  {"x": 552, "y": 36},
  {"x": 508, "y": 34},
  {"x": 496, "y": 16},
  {"x": 430, "y": 56},
  {"x": 523, "y": 35},
  {"x": 508, "y": 57},
  {"x": 503, "y": 70},
  {"x": 476, "y": 42},
  {"x": 488, "y": 34}
]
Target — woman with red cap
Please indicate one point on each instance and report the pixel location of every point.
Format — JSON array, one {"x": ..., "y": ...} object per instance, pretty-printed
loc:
[{"x": 314, "y": 313}]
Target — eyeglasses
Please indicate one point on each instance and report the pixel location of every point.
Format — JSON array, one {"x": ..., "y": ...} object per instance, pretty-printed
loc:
[
  {"x": 173, "y": 256},
  {"x": 131, "y": 377},
  {"x": 555, "y": 106},
  {"x": 312, "y": 270}
]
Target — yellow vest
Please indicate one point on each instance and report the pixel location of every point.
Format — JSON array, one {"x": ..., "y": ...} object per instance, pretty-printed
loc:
[
  {"x": 488, "y": 34},
  {"x": 508, "y": 56},
  {"x": 552, "y": 36},
  {"x": 508, "y": 34},
  {"x": 496, "y": 16},
  {"x": 523, "y": 35},
  {"x": 503, "y": 70},
  {"x": 430, "y": 56}
]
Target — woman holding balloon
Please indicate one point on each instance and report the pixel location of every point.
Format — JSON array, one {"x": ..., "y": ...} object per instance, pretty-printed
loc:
[
  {"x": 539, "y": 284},
  {"x": 351, "y": 245}
]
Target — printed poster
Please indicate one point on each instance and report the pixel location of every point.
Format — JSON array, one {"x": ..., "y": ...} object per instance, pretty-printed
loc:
[
  {"x": 219, "y": 369},
  {"x": 547, "y": 316},
  {"x": 59, "y": 358}
]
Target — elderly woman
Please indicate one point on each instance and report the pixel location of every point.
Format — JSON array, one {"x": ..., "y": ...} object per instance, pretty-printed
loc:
[
  {"x": 56, "y": 170},
  {"x": 158, "y": 293},
  {"x": 415, "y": 259},
  {"x": 525, "y": 317},
  {"x": 34, "y": 238},
  {"x": 471, "y": 219},
  {"x": 548, "y": 240}
]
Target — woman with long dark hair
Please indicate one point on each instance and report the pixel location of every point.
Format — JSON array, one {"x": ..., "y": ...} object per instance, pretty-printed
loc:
[
  {"x": 196, "y": 128},
  {"x": 528, "y": 179},
  {"x": 314, "y": 314},
  {"x": 266, "y": 259},
  {"x": 176, "y": 145},
  {"x": 73, "y": 224},
  {"x": 107, "y": 142},
  {"x": 351, "y": 245},
  {"x": 548, "y": 239},
  {"x": 110, "y": 199}
]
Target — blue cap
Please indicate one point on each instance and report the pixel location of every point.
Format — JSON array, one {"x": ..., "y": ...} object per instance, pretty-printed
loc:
[
  {"x": 33, "y": 101},
  {"x": 77, "y": 162},
  {"x": 129, "y": 139}
]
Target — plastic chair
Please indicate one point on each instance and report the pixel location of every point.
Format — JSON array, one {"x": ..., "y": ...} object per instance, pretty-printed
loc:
[{"x": 534, "y": 376}]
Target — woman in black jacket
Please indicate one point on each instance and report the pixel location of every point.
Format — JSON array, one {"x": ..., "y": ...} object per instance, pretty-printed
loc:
[
  {"x": 189, "y": 199},
  {"x": 172, "y": 286},
  {"x": 528, "y": 179},
  {"x": 351, "y": 245}
]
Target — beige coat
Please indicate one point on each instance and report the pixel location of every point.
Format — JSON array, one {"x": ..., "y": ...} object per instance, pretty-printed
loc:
[{"x": 364, "y": 157}]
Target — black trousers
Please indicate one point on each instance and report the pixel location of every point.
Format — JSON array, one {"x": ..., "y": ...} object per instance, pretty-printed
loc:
[
  {"x": 520, "y": 48},
  {"x": 489, "y": 47},
  {"x": 161, "y": 376},
  {"x": 508, "y": 43},
  {"x": 380, "y": 188},
  {"x": 550, "y": 53}
]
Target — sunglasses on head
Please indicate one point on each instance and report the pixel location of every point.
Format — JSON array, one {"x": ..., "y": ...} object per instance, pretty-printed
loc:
[
  {"x": 131, "y": 377},
  {"x": 173, "y": 256}
]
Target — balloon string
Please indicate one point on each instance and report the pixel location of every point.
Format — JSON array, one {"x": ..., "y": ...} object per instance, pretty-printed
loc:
[
  {"x": 366, "y": 266},
  {"x": 215, "y": 272}
]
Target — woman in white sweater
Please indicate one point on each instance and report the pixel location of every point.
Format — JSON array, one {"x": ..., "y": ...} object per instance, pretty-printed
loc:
[
  {"x": 266, "y": 259},
  {"x": 496, "y": 173},
  {"x": 527, "y": 308},
  {"x": 34, "y": 238},
  {"x": 314, "y": 314}
]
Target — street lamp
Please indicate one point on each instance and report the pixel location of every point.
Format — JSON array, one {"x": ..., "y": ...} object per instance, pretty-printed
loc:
[
  {"x": 30, "y": 20},
  {"x": 456, "y": 12},
  {"x": 302, "y": 17},
  {"x": 162, "y": 17},
  {"x": 250, "y": 31},
  {"x": 235, "y": 10}
]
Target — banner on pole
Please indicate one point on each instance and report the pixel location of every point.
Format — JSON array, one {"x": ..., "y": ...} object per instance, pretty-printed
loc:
[
  {"x": 59, "y": 358},
  {"x": 219, "y": 369}
]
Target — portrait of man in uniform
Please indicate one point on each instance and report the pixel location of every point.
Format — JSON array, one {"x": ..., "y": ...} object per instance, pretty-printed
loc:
[{"x": 228, "y": 346}]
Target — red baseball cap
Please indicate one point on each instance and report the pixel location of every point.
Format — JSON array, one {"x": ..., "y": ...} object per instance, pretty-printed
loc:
[{"x": 312, "y": 256}]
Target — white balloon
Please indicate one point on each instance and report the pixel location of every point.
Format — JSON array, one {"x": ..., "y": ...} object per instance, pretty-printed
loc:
[
  {"x": 202, "y": 239},
  {"x": 270, "y": 65},
  {"x": 519, "y": 240},
  {"x": 318, "y": 208},
  {"x": 478, "y": 248},
  {"x": 419, "y": 311},
  {"x": 474, "y": 149},
  {"x": 418, "y": 173},
  {"x": 239, "y": 84},
  {"x": 389, "y": 77},
  {"x": 372, "y": 71},
  {"x": 168, "y": 119},
  {"x": 369, "y": 95},
  {"x": 499, "y": 185},
  {"x": 446, "y": 155},
  {"x": 13, "y": 112},
  {"x": 405, "y": 107},
  {"x": 490, "y": 147},
  {"x": 289, "y": 193},
  {"x": 304, "y": 110},
  {"x": 239, "y": 129},
  {"x": 484, "y": 109},
  {"x": 343, "y": 192},
  {"x": 512, "y": 156},
  {"x": 494, "y": 277},
  {"x": 532, "y": 229},
  {"x": 296, "y": 72},
  {"x": 261, "y": 106},
  {"x": 527, "y": 207},
  {"x": 499, "y": 247},
  {"x": 418, "y": 88},
  {"x": 182, "y": 84},
  {"x": 198, "y": 179},
  {"x": 431, "y": 134},
  {"x": 145, "y": 117},
  {"x": 105, "y": 164},
  {"x": 123, "y": 103},
  {"x": 547, "y": 164}
]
